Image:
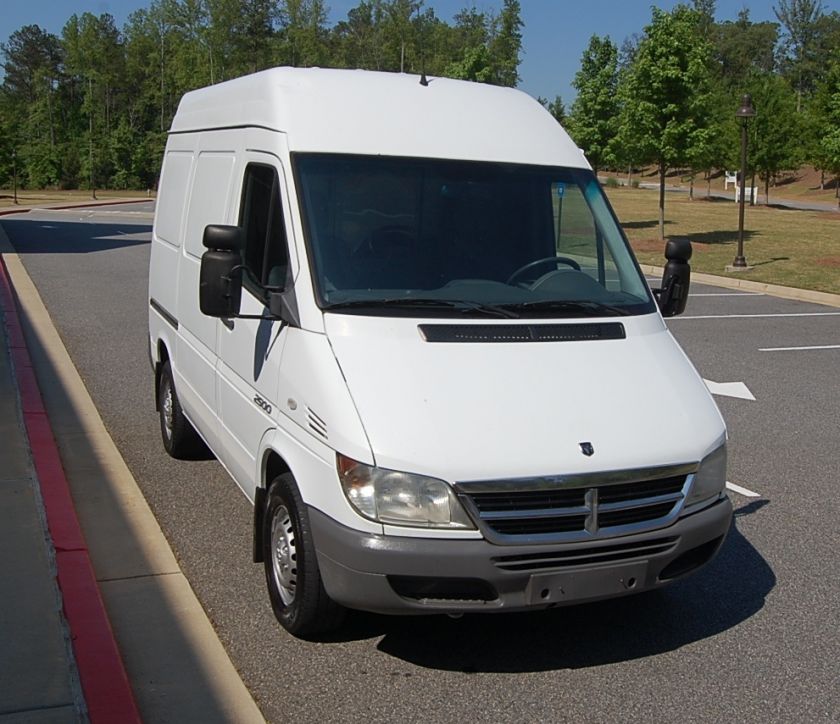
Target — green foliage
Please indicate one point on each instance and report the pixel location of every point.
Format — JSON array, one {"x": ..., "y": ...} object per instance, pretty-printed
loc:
[
  {"x": 593, "y": 121},
  {"x": 743, "y": 47},
  {"x": 825, "y": 120},
  {"x": 775, "y": 124},
  {"x": 556, "y": 108},
  {"x": 801, "y": 22},
  {"x": 668, "y": 110},
  {"x": 98, "y": 100}
]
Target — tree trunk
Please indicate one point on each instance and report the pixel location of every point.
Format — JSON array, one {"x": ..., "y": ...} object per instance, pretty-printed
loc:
[
  {"x": 691, "y": 187},
  {"x": 662, "y": 170},
  {"x": 629, "y": 176},
  {"x": 752, "y": 186},
  {"x": 767, "y": 190},
  {"x": 822, "y": 180}
]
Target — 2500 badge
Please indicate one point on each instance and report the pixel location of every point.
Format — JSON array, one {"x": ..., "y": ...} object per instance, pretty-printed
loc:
[{"x": 263, "y": 404}]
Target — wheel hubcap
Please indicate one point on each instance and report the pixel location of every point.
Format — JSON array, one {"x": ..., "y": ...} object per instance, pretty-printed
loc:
[
  {"x": 284, "y": 554},
  {"x": 166, "y": 408}
]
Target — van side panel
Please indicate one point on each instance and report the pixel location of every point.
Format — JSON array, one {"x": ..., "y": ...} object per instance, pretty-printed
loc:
[
  {"x": 195, "y": 370},
  {"x": 167, "y": 234}
]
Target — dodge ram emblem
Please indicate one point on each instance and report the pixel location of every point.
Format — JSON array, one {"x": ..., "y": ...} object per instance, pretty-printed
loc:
[{"x": 587, "y": 449}]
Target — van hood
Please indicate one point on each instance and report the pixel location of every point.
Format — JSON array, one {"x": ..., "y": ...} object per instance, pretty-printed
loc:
[{"x": 476, "y": 411}]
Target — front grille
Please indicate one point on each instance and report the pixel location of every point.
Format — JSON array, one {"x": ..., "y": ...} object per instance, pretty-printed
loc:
[
  {"x": 586, "y": 506},
  {"x": 589, "y": 555},
  {"x": 536, "y": 526}
]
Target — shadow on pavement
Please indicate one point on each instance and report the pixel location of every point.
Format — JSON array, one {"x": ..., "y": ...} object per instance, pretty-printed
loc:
[
  {"x": 45, "y": 236},
  {"x": 728, "y": 591},
  {"x": 718, "y": 237}
]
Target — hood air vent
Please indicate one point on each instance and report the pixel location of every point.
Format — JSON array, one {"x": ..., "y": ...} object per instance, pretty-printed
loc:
[
  {"x": 316, "y": 424},
  {"x": 477, "y": 333}
]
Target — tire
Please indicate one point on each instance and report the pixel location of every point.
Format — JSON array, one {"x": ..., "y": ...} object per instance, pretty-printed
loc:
[
  {"x": 297, "y": 593},
  {"x": 180, "y": 439}
]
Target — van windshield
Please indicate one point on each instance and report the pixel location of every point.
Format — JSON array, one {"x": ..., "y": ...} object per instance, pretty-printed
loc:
[{"x": 430, "y": 237}]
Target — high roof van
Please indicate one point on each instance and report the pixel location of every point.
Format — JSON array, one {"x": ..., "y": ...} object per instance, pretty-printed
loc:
[{"x": 401, "y": 313}]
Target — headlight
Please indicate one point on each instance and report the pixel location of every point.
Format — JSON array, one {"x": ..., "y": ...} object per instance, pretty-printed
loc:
[
  {"x": 710, "y": 478},
  {"x": 395, "y": 498}
]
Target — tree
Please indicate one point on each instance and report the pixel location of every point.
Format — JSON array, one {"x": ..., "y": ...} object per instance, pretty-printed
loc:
[
  {"x": 32, "y": 68},
  {"x": 800, "y": 19},
  {"x": 593, "y": 121},
  {"x": 506, "y": 45},
  {"x": 556, "y": 108},
  {"x": 825, "y": 115},
  {"x": 774, "y": 130},
  {"x": 743, "y": 47},
  {"x": 303, "y": 33},
  {"x": 666, "y": 97},
  {"x": 358, "y": 40}
]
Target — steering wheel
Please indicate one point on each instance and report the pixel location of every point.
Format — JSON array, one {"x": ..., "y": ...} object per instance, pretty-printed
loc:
[{"x": 542, "y": 262}]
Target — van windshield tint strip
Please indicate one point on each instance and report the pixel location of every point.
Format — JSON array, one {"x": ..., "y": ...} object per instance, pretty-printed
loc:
[{"x": 521, "y": 332}]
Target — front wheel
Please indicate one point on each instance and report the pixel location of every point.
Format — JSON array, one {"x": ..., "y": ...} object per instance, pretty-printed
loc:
[
  {"x": 180, "y": 439},
  {"x": 297, "y": 593}
]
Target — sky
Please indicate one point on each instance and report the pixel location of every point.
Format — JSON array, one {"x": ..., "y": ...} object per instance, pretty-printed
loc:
[{"x": 555, "y": 34}]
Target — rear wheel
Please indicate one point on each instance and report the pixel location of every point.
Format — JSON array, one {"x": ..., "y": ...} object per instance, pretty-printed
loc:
[
  {"x": 297, "y": 593},
  {"x": 180, "y": 439}
]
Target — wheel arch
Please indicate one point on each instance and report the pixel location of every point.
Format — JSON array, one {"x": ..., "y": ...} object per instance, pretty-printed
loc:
[
  {"x": 273, "y": 464},
  {"x": 163, "y": 357}
]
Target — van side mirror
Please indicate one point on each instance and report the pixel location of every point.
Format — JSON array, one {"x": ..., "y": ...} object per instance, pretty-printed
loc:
[
  {"x": 220, "y": 280},
  {"x": 676, "y": 277}
]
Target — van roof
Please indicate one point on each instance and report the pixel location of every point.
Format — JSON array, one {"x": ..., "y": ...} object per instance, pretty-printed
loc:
[{"x": 391, "y": 114}]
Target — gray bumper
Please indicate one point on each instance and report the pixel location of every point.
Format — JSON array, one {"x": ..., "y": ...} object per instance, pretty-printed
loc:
[{"x": 390, "y": 574}]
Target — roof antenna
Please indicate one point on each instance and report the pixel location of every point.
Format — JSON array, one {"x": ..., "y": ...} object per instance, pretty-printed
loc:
[{"x": 424, "y": 81}]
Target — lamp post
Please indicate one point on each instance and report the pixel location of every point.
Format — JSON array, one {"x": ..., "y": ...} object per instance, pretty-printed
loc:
[
  {"x": 14, "y": 173},
  {"x": 745, "y": 112}
]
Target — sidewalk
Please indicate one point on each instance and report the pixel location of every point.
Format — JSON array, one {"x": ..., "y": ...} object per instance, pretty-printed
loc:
[
  {"x": 37, "y": 668},
  {"x": 40, "y": 676}
]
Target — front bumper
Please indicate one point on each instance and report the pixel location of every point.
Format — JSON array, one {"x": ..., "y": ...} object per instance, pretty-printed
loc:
[{"x": 401, "y": 575}]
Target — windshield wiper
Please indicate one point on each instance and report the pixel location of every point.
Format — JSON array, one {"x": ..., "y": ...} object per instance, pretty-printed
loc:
[
  {"x": 583, "y": 308},
  {"x": 460, "y": 305}
]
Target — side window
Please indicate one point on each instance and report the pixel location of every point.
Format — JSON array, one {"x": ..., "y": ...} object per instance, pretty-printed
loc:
[
  {"x": 172, "y": 199},
  {"x": 577, "y": 235},
  {"x": 261, "y": 219}
]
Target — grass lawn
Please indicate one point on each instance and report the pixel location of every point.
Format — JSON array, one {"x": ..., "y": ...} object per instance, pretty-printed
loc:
[
  {"x": 47, "y": 196},
  {"x": 784, "y": 246}
]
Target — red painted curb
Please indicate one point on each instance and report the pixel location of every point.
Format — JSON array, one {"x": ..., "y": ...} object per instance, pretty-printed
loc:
[{"x": 105, "y": 685}]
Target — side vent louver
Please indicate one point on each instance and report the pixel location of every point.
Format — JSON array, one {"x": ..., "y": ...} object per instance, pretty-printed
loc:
[{"x": 316, "y": 424}]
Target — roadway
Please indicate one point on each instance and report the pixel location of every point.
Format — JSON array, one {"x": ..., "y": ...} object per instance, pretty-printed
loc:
[{"x": 752, "y": 637}]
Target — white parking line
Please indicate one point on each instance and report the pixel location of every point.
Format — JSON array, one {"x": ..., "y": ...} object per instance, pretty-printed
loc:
[
  {"x": 751, "y": 316},
  {"x": 742, "y": 491},
  {"x": 798, "y": 349},
  {"x": 727, "y": 294}
]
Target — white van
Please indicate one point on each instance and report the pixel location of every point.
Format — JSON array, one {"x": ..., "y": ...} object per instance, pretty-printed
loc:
[{"x": 401, "y": 313}]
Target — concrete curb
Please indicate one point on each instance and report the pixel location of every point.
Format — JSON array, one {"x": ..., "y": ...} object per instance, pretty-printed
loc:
[
  {"x": 108, "y": 695},
  {"x": 175, "y": 660},
  {"x": 773, "y": 290}
]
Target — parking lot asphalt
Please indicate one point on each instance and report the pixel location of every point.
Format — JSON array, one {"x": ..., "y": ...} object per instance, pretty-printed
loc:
[{"x": 752, "y": 637}]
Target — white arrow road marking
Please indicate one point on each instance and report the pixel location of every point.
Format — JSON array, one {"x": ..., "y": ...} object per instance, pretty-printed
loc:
[
  {"x": 798, "y": 349},
  {"x": 730, "y": 389},
  {"x": 742, "y": 491}
]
